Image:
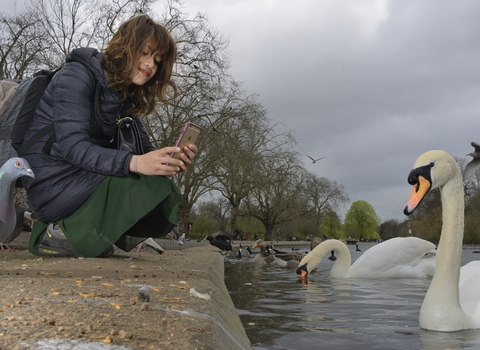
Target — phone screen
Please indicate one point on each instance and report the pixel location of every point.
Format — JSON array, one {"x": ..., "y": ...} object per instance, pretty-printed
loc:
[{"x": 189, "y": 135}]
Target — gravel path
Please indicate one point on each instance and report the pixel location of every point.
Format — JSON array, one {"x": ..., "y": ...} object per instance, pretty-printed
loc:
[{"x": 135, "y": 300}]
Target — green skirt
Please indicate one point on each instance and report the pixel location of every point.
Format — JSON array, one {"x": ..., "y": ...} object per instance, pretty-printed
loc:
[{"x": 121, "y": 211}]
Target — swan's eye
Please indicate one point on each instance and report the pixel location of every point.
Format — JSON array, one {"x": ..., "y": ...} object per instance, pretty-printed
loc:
[{"x": 432, "y": 164}]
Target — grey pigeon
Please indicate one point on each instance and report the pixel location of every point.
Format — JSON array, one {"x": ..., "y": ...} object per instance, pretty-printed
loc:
[
  {"x": 471, "y": 167},
  {"x": 149, "y": 242},
  {"x": 9, "y": 173},
  {"x": 181, "y": 240},
  {"x": 23, "y": 223}
]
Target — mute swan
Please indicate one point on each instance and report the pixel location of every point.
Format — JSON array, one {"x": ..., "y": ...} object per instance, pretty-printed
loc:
[
  {"x": 452, "y": 300},
  {"x": 399, "y": 257}
]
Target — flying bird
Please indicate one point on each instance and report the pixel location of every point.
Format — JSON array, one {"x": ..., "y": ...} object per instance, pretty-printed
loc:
[
  {"x": 9, "y": 173},
  {"x": 471, "y": 167},
  {"x": 314, "y": 160}
]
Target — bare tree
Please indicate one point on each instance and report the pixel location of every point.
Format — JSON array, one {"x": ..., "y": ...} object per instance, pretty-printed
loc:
[
  {"x": 206, "y": 96},
  {"x": 217, "y": 210},
  {"x": 240, "y": 145},
  {"x": 321, "y": 196},
  {"x": 21, "y": 45},
  {"x": 43, "y": 34},
  {"x": 275, "y": 199}
]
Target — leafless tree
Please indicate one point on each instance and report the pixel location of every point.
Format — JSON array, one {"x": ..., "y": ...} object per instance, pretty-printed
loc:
[
  {"x": 321, "y": 195},
  {"x": 21, "y": 45},
  {"x": 275, "y": 199},
  {"x": 217, "y": 210},
  {"x": 43, "y": 34}
]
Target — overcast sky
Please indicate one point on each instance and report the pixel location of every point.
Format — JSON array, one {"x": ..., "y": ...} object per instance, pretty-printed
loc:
[{"x": 367, "y": 84}]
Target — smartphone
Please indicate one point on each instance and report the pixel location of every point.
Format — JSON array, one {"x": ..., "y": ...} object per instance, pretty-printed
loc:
[{"x": 189, "y": 135}]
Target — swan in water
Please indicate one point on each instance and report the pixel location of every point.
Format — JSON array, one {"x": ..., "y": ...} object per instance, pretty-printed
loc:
[
  {"x": 453, "y": 298},
  {"x": 399, "y": 257}
]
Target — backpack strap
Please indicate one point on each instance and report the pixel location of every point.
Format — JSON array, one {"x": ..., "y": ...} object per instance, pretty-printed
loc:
[
  {"x": 35, "y": 138},
  {"x": 50, "y": 129}
]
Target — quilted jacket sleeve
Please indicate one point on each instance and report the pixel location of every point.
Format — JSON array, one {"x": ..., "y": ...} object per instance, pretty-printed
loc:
[{"x": 73, "y": 93}]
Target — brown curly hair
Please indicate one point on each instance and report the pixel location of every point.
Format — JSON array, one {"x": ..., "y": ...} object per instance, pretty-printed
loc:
[{"x": 120, "y": 55}]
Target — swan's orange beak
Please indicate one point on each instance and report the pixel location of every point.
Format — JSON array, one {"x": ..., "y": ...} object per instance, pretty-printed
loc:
[
  {"x": 302, "y": 271},
  {"x": 419, "y": 190},
  {"x": 255, "y": 246}
]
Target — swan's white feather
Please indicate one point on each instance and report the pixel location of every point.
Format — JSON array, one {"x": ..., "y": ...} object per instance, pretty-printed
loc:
[
  {"x": 469, "y": 286},
  {"x": 395, "y": 258}
]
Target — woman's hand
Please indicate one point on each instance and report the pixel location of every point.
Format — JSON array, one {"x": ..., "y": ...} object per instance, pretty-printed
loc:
[
  {"x": 159, "y": 162},
  {"x": 187, "y": 155}
]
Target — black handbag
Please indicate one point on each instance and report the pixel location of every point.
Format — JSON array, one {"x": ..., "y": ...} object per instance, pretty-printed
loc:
[{"x": 127, "y": 136}]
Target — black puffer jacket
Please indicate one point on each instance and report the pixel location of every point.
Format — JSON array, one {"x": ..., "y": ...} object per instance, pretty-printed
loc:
[{"x": 81, "y": 156}]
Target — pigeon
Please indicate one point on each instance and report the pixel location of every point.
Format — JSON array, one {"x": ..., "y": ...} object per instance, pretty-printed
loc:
[
  {"x": 9, "y": 173},
  {"x": 23, "y": 223},
  {"x": 471, "y": 167},
  {"x": 181, "y": 240},
  {"x": 314, "y": 160},
  {"x": 149, "y": 242}
]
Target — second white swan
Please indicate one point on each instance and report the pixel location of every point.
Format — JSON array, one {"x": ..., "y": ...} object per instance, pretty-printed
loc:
[{"x": 399, "y": 257}]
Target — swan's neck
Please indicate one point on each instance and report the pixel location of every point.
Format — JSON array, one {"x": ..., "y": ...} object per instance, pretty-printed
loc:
[
  {"x": 441, "y": 308},
  {"x": 342, "y": 264}
]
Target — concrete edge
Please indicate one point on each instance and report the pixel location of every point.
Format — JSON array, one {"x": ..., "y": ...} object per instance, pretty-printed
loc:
[{"x": 230, "y": 333}]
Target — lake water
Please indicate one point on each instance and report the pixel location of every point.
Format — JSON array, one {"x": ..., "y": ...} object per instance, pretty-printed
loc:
[{"x": 279, "y": 312}]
